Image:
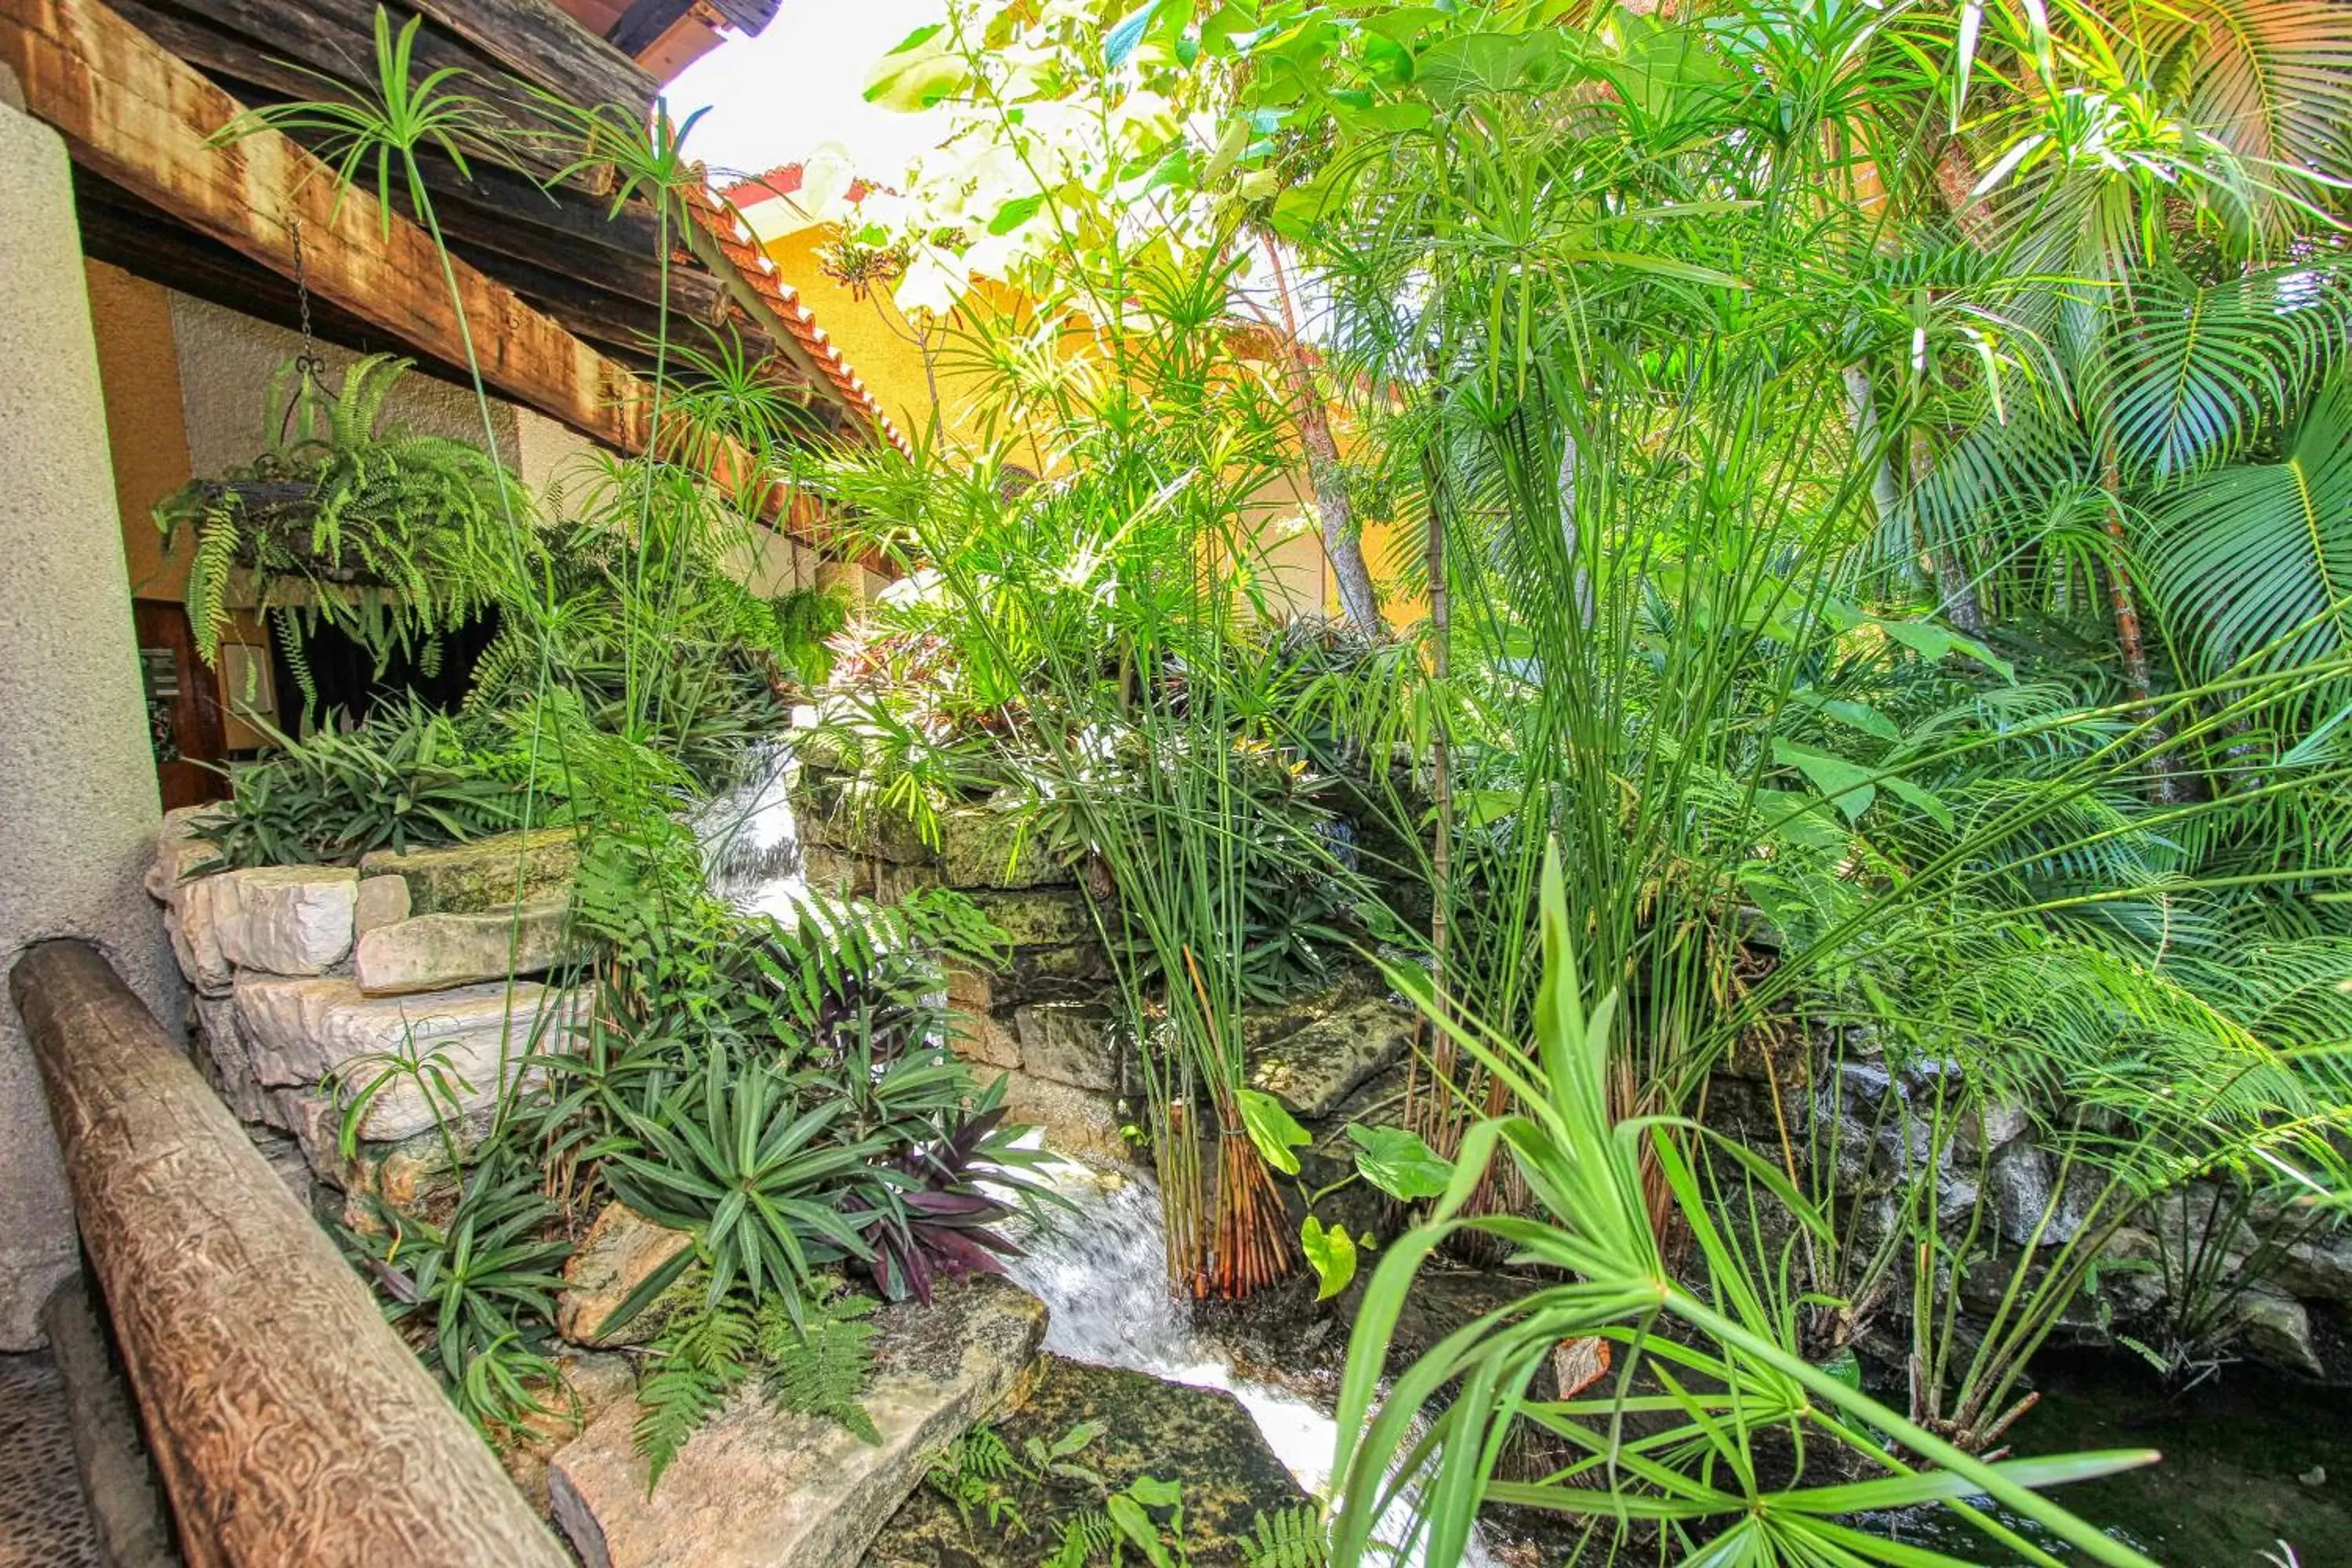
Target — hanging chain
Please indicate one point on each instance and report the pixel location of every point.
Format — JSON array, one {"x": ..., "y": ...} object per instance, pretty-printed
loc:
[
  {"x": 309, "y": 365},
  {"x": 309, "y": 369}
]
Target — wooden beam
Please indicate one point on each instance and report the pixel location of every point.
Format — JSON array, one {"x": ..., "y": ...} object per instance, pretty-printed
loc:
[
  {"x": 289, "y": 1424},
  {"x": 644, "y": 23},
  {"x": 143, "y": 118},
  {"x": 542, "y": 46}
]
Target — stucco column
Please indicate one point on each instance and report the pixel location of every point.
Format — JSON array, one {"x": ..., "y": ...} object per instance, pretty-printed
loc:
[{"x": 78, "y": 809}]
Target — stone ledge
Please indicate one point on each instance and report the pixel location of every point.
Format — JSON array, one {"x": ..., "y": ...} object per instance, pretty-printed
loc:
[
  {"x": 296, "y": 1032},
  {"x": 758, "y": 1488},
  {"x": 468, "y": 878},
  {"x": 437, "y": 951}
]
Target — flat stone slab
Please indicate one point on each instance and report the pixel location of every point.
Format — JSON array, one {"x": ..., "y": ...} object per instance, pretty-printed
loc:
[
  {"x": 1074, "y": 1043},
  {"x": 488, "y": 873},
  {"x": 1320, "y": 1065},
  {"x": 1171, "y": 1431},
  {"x": 758, "y": 1488},
  {"x": 298, "y": 1031},
  {"x": 434, "y": 952},
  {"x": 619, "y": 1252}
]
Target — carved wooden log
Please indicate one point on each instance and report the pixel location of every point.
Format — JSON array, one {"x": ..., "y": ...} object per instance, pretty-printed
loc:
[{"x": 289, "y": 1422}]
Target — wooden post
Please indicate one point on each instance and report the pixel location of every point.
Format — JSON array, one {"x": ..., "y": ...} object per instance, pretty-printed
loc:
[{"x": 289, "y": 1422}]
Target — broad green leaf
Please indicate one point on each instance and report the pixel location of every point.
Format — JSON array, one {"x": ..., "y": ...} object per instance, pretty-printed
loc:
[
  {"x": 1396, "y": 1160},
  {"x": 1860, "y": 715},
  {"x": 1933, "y": 642},
  {"x": 1015, "y": 213},
  {"x": 1331, "y": 1252},
  {"x": 1272, "y": 1129},
  {"x": 1847, "y": 783},
  {"x": 1923, "y": 800},
  {"x": 1137, "y": 1526},
  {"x": 918, "y": 74}
]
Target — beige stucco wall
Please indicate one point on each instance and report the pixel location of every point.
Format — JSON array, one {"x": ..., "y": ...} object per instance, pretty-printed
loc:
[{"x": 78, "y": 809}]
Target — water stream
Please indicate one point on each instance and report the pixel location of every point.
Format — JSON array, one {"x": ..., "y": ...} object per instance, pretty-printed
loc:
[{"x": 1102, "y": 1273}]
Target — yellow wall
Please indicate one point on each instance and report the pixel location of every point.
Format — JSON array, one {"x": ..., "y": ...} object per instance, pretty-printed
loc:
[
  {"x": 139, "y": 370},
  {"x": 883, "y": 348}
]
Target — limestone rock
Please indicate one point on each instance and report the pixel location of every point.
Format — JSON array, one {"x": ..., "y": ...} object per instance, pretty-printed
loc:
[
  {"x": 988, "y": 847},
  {"x": 2278, "y": 1331},
  {"x": 2318, "y": 1267},
  {"x": 221, "y": 1055},
  {"x": 299, "y": 1031},
  {"x": 195, "y": 929},
  {"x": 1033, "y": 918},
  {"x": 980, "y": 1037},
  {"x": 1202, "y": 1437},
  {"x": 758, "y": 1488},
  {"x": 1080, "y": 1122},
  {"x": 382, "y": 901},
  {"x": 1069, "y": 1042},
  {"x": 467, "y": 879},
  {"x": 1320, "y": 1065},
  {"x": 434, "y": 952},
  {"x": 621, "y": 1250},
  {"x": 178, "y": 852},
  {"x": 285, "y": 920}
]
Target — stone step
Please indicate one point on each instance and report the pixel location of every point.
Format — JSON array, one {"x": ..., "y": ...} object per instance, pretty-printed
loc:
[{"x": 758, "y": 1488}]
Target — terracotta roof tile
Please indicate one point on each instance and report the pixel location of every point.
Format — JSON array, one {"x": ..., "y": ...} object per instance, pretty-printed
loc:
[
  {"x": 784, "y": 180},
  {"x": 718, "y": 218}
]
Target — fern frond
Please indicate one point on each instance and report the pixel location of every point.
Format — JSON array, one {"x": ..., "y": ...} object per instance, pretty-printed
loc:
[
  {"x": 1294, "y": 1537},
  {"x": 702, "y": 1359},
  {"x": 822, "y": 1366}
]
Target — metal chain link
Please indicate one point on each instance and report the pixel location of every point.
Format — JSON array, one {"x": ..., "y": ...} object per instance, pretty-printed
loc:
[{"x": 309, "y": 369}]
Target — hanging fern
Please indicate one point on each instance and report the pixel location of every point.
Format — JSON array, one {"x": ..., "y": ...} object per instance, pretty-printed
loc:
[{"x": 389, "y": 535}]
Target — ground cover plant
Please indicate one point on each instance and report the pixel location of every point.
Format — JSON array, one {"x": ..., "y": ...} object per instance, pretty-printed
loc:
[
  {"x": 776, "y": 1085},
  {"x": 1867, "y": 511}
]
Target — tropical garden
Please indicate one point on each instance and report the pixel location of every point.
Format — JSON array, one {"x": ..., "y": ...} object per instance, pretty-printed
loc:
[{"x": 1840, "y": 519}]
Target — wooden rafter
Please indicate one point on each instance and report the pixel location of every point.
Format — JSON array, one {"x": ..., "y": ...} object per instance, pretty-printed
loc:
[{"x": 142, "y": 118}]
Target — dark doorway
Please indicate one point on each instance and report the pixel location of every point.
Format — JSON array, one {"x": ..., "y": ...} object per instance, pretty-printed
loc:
[
  {"x": 349, "y": 686},
  {"x": 184, "y": 714}
]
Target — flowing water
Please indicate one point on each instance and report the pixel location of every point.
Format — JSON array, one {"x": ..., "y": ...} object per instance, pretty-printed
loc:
[{"x": 1102, "y": 1273}]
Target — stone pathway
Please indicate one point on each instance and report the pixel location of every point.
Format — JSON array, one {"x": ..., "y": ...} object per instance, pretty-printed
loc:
[{"x": 44, "y": 1522}]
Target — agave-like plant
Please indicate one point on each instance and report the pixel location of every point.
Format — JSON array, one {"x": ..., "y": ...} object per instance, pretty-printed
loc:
[{"x": 1716, "y": 1443}]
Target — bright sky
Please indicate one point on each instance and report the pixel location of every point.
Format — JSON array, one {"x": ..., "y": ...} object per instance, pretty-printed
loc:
[{"x": 777, "y": 98}]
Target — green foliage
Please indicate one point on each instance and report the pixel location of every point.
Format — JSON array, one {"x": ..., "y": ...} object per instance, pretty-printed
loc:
[
  {"x": 476, "y": 1292},
  {"x": 821, "y": 1365},
  {"x": 407, "y": 778},
  {"x": 698, "y": 1359},
  {"x": 731, "y": 1154},
  {"x": 815, "y": 1356},
  {"x": 381, "y": 532},
  {"x": 1292, "y": 1538},
  {"x": 1729, "y": 1376}
]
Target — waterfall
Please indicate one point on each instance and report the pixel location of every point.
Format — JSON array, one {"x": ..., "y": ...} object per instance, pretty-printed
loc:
[
  {"x": 1102, "y": 1273},
  {"x": 751, "y": 848}
]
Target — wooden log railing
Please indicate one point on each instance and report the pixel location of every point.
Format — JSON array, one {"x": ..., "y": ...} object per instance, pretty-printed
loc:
[{"x": 289, "y": 1424}]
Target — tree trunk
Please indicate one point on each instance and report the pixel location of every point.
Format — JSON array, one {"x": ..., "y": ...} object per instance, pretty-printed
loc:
[
  {"x": 1437, "y": 1110},
  {"x": 2165, "y": 786},
  {"x": 1342, "y": 545},
  {"x": 1956, "y": 595}
]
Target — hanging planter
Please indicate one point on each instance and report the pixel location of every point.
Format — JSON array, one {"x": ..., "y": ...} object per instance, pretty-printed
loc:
[{"x": 386, "y": 535}]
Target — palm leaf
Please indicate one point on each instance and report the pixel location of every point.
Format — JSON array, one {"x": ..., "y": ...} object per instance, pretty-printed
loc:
[
  {"x": 2254, "y": 562},
  {"x": 2194, "y": 373}
]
